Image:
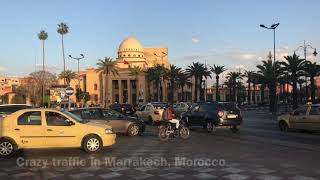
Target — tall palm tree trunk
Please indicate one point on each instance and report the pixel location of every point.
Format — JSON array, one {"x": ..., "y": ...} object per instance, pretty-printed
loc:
[
  {"x": 64, "y": 59},
  {"x": 294, "y": 93},
  {"x": 313, "y": 90},
  {"x": 43, "y": 74},
  {"x": 106, "y": 91},
  {"x": 217, "y": 89},
  {"x": 196, "y": 89},
  {"x": 254, "y": 94},
  {"x": 249, "y": 92},
  {"x": 182, "y": 94}
]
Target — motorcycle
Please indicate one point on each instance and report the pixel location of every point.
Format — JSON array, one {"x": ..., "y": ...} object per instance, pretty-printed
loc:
[{"x": 167, "y": 130}]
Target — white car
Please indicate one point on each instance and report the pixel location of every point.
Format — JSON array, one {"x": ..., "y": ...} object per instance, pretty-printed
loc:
[{"x": 151, "y": 112}]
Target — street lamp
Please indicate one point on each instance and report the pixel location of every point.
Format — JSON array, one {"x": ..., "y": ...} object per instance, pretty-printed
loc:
[
  {"x": 78, "y": 59},
  {"x": 305, "y": 47},
  {"x": 273, "y": 27},
  {"x": 162, "y": 55}
]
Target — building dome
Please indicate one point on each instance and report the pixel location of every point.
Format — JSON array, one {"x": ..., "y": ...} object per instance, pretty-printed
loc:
[{"x": 130, "y": 44}]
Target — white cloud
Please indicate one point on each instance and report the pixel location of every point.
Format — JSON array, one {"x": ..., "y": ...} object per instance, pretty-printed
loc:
[{"x": 195, "y": 40}]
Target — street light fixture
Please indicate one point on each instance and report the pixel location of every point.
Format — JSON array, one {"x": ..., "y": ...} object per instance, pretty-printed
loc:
[
  {"x": 315, "y": 53},
  {"x": 78, "y": 59},
  {"x": 273, "y": 27}
]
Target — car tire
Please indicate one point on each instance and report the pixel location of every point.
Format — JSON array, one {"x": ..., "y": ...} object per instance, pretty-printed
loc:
[
  {"x": 133, "y": 130},
  {"x": 7, "y": 148},
  {"x": 92, "y": 144},
  {"x": 283, "y": 126},
  {"x": 234, "y": 129}
]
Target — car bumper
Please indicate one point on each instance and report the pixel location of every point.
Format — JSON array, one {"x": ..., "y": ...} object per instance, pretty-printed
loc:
[
  {"x": 109, "y": 139},
  {"x": 230, "y": 122}
]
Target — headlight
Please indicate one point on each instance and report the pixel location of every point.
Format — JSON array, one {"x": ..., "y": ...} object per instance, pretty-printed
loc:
[{"x": 109, "y": 131}]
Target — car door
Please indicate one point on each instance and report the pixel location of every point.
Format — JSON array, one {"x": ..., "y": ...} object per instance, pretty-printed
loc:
[
  {"x": 29, "y": 129},
  {"x": 298, "y": 119},
  {"x": 147, "y": 112},
  {"x": 115, "y": 120},
  {"x": 60, "y": 130},
  {"x": 313, "y": 118},
  {"x": 192, "y": 118},
  {"x": 199, "y": 116}
]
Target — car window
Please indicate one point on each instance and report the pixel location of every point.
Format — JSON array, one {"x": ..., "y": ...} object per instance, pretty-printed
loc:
[
  {"x": 301, "y": 110},
  {"x": 195, "y": 108},
  {"x": 111, "y": 114},
  {"x": 30, "y": 118},
  {"x": 182, "y": 105},
  {"x": 202, "y": 108},
  {"x": 142, "y": 108},
  {"x": 147, "y": 108},
  {"x": 56, "y": 119},
  {"x": 315, "y": 110},
  {"x": 91, "y": 114}
]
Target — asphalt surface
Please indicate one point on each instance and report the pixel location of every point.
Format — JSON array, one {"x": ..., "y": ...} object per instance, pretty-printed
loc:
[{"x": 258, "y": 151}]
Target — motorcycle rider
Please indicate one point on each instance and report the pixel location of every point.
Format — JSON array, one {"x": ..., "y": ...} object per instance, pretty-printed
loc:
[{"x": 170, "y": 117}]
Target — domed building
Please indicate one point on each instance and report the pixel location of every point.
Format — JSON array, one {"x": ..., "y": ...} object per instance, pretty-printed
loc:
[{"x": 126, "y": 87}]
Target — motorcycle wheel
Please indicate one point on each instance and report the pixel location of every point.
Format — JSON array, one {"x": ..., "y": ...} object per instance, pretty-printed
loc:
[
  {"x": 184, "y": 132},
  {"x": 163, "y": 135}
]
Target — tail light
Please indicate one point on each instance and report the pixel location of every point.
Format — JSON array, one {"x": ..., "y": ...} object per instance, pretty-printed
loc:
[
  {"x": 220, "y": 113},
  {"x": 156, "y": 112}
]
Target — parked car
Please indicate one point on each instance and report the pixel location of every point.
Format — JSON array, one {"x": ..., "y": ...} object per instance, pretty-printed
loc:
[
  {"x": 119, "y": 122},
  {"x": 180, "y": 108},
  {"x": 126, "y": 109},
  {"x": 50, "y": 128},
  {"x": 209, "y": 115},
  {"x": 151, "y": 112},
  {"x": 306, "y": 117},
  {"x": 7, "y": 109}
]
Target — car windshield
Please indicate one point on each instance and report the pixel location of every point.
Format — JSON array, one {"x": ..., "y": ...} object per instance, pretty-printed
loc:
[
  {"x": 160, "y": 106},
  {"x": 78, "y": 119}
]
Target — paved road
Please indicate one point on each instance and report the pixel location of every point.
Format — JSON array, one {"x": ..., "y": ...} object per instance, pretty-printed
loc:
[{"x": 259, "y": 151}]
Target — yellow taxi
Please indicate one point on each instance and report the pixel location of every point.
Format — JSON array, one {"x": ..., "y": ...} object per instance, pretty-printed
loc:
[{"x": 51, "y": 128}]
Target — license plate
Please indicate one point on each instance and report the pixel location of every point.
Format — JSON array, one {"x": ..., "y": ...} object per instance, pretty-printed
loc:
[{"x": 231, "y": 116}]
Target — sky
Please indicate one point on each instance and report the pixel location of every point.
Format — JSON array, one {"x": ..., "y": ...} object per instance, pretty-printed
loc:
[{"x": 221, "y": 32}]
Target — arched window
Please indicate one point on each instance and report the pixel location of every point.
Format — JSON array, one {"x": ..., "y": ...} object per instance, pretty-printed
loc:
[
  {"x": 134, "y": 55},
  {"x": 129, "y": 55}
]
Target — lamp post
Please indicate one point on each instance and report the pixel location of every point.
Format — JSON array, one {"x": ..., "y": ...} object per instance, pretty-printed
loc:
[
  {"x": 305, "y": 47},
  {"x": 162, "y": 55},
  {"x": 78, "y": 59},
  {"x": 273, "y": 27}
]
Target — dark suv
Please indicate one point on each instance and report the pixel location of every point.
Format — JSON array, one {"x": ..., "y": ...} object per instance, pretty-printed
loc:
[
  {"x": 125, "y": 109},
  {"x": 209, "y": 115}
]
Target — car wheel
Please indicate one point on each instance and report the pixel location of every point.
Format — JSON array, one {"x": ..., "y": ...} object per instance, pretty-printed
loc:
[
  {"x": 7, "y": 148},
  {"x": 234, "y": 129},
  {"x": 283, "y": 126},
  {"x": 133, "y": 130},
  {"x": 92, "y": 144}
]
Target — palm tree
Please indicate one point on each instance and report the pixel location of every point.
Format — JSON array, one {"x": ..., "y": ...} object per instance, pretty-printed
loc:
[
  {"x": 255, "y": 79},
  {"x": 270, "y": 72},
  {"x": 182, "y": 81},
  {"x": 196, "y": 70},
  {"x": 312, "y": 70},
  {"x": 135, "y": 72},
  {"x": 155, "y": 75},
  {"x": 106, "y": 66},
  {"x": 248, "y": 74},
  {"x": 217, "y": 70},
  {"x": 293, "y": 65},
  {"x": 301, "y": 81},
  {"x": 229, "y": 84},
  {"x": 68, "y": 75},
  {"x": 233, "y": 77},
  {"x": 172, "y": 75},
  {"x": 43, "y": 35},
  {"x": 62, "y": 30}
]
